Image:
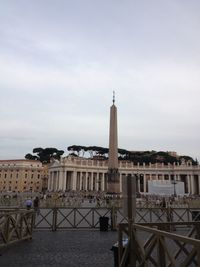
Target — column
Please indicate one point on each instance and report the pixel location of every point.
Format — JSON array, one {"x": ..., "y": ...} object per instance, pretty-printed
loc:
[
  {"x": 60, "y": 180},
  {"x": 86, "y": 178},
  {"x": 103, "y": 181},
  {"x": 138, "y": 182},
  {"x": 177, "y": 177},
  {"x": 74, "y": 180},
  {"x": 49, "y": 181},
  {"x": 188, "y": 183},
  {"x": 97, "y": 182},
  {"x": 57, "y": 180},
  {"x": 91, "y": 184},
  {"x": 81, "y": 178},
  {"x": 144, "y": 183},
  {"x": 52, "y": 181},
  {"x": 120, "y": 182},
  {"x": 64, "y": 180},
  {"x": 192, "y": 183}
]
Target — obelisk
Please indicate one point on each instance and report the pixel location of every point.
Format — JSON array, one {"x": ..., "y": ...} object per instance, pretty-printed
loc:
[{"x": 113, "y": 174}]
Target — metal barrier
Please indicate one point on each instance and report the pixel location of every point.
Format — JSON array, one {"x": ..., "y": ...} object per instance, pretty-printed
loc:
[
  {"x": 158, "y": 247},
  {"x": 65, "y": 218},
  {"x": 15, "y": 226}
]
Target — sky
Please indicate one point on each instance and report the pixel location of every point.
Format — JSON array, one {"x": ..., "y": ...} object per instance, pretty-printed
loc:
[{"x": 60, "y": 61}]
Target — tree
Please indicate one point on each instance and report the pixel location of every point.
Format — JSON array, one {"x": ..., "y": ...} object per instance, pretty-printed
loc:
[{"x": 45, "y": 154}]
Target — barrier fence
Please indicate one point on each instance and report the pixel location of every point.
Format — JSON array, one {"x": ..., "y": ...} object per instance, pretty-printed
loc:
[
  {"x": 159, "y": 247},
  {"x": 66, "y": 218},
  {"x": 15, "y": 226}
]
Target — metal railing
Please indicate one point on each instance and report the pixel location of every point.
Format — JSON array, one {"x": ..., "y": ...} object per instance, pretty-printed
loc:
[
  {"x": 15, "y": 226},
  {"x": 79, "y": 218}
]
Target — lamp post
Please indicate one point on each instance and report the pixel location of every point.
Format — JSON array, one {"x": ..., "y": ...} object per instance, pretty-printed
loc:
[{"x": 174, "y": 183}]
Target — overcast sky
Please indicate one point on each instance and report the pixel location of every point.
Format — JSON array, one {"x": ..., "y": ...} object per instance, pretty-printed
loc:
[{"x": 60, "y": 61}]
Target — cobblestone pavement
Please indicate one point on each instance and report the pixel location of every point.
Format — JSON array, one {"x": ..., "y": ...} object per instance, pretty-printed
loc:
[{"x": 70, "y": 248}]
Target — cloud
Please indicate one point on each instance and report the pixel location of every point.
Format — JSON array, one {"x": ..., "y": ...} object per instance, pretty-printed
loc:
[{"x": 59, "y": 65}]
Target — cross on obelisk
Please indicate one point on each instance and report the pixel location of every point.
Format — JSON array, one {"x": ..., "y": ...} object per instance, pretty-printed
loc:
[{"x": 113, "y": 174}]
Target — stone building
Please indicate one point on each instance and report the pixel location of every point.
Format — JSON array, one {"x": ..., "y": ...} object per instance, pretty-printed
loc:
[
  {"x": 22, "y": 175},
  {"x": 74, "y": 173}
]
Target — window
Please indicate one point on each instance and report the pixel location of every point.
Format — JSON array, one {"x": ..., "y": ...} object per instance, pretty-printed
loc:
[{"x": 5, "y": 175}]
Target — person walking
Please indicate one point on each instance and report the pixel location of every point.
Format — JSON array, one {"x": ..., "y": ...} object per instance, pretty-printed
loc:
[{"x": 29, "y": 203}]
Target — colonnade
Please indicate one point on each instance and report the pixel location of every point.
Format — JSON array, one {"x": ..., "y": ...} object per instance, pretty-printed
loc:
[
  {"x": 89, "y": 175},
  {"x": 77, "y": 180},
  {"x": 97, "y": 181}
]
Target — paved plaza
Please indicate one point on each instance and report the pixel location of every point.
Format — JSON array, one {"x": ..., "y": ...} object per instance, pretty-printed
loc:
[{"x": 70, "y": 248}]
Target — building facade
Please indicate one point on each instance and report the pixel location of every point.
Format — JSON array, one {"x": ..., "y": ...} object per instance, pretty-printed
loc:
[
  {"x": 74, "y": 173},
  {"x": 22, "y": 175}
]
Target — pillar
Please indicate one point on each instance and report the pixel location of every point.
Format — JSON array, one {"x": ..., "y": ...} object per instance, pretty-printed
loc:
[{"x": 74, "y": 180}]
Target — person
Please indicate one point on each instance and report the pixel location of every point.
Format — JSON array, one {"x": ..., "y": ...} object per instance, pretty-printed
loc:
[
  {"x": 36, "y": 204},
  {"x": 29, "y": 203}
]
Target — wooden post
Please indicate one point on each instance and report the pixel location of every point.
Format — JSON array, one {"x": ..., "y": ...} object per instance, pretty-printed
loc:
[
  {"x": 161, "y": 253},
  {"x": 131, "y": 195},
  {"x": 113, "y": 219},
  {"x": 54, "y": 219}
]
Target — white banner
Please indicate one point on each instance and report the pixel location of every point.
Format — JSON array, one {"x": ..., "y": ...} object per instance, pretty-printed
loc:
[{"x": 159, "y": 187}]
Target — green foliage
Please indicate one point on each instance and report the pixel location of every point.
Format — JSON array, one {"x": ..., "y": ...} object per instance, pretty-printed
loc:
[
  {"x": 134, "y": 156},
  {"x": 45, "y": 154}
]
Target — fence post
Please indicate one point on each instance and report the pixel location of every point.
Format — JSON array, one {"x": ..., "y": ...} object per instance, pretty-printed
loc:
[
  {"x": 54, "y": 220},
  {"x": 161, "y": 253},
  {"x": 113, "y": 218},
  {"x": 7, "y": 228}
]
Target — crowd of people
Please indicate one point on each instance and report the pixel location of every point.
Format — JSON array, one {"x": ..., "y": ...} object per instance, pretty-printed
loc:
[{"x": 89, "y": 198}]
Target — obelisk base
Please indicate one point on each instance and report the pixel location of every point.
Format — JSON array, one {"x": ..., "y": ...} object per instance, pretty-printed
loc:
[{"x": 113, "y": 182}]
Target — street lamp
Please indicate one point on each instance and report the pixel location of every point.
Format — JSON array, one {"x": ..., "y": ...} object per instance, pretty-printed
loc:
[{"x": 174, "y": 183}]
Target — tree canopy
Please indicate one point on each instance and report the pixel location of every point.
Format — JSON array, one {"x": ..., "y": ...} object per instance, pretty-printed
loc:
[
  {"x": 134, "y": 156},
  {"x": 45, "y": 154}
]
